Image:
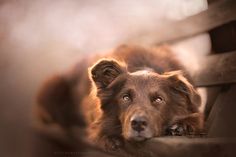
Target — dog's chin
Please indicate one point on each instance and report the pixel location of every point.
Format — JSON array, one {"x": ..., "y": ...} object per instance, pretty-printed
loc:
[
  {"x": 138, "y": 138},
  {"x": 134, "y": 136}
]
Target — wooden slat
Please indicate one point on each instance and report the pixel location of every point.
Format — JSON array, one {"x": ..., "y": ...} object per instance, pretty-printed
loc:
[
  {"x": 212, "y": 94},
  {"x": 216, "y": 69},
  {"x": 223, "y": 38},
  {"x": 221, "y": 121},
  {"x": 218, "y": 13},
  {"x": 194, "y": 147}
]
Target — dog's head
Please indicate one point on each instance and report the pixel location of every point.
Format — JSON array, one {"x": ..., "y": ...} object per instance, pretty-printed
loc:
[{"x": 142, "y": 102}]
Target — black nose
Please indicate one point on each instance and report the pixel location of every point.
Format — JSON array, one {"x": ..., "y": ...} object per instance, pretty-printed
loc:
[{"x": 138, "y": 124}]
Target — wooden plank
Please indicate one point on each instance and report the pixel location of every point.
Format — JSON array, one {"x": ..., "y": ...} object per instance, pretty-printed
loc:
[
  {"x": 161, "y": 146},
  {"x": 218, "y": 13},
  {"x": 216, "y": 69},
  {"x": 221, "y": 121},
  {"x": 212, "y": 94},
  {"x": 194, "y": 147},
  {"x": 223, "y": 38}
]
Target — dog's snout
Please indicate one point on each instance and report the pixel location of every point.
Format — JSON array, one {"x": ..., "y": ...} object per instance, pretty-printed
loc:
[{"x": 138, "y": 123}]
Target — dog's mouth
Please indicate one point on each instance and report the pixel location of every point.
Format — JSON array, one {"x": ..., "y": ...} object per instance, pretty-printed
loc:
[{"x": 139, "y": 137}]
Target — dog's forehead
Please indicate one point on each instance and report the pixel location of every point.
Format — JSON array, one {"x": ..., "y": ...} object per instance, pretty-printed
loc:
[
  {"x": 143, "y": 73},
  {"x": 144, "y": 78}
]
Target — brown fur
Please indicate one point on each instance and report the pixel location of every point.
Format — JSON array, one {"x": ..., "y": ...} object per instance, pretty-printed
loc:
[{"x": 107, "y": 94}]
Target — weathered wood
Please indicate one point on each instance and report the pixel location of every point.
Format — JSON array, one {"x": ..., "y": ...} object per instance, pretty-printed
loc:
[
  {"x": 218, "y": 13},
  {"x": 223, "y": 38},
  {"x": 182, "y": 146},
  {"x": 212, "y": 94},
  {"x": 216, "y": 69},
  {"x": 221, "y": 121}
]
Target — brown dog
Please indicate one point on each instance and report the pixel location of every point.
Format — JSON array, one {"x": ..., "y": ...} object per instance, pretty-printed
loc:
[{"x": 132, "y": 95}]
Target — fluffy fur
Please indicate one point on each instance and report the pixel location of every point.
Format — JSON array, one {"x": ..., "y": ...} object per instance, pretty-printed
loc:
[{"x": 127, "y": 96}]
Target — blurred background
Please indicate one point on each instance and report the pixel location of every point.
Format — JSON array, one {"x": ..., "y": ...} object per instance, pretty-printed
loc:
[{"x": 43, "y": 37}]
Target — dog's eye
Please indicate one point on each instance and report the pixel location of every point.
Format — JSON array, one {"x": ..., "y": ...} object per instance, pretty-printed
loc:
[
  {"x": 126, "y": 97},
  {"x": 158, "y": 99}
]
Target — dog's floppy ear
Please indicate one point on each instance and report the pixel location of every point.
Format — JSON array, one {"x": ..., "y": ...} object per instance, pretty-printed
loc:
[
  {"x": 180, "y": 84},
  {"x": 105, "y": 71}
]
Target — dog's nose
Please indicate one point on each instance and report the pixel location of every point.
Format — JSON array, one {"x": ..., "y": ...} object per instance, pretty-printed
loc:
[{"x": 138, "y": 123}]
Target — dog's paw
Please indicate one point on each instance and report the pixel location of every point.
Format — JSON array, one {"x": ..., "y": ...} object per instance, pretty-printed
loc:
[
  {"x": 113, "y": 143},
  {"x": 179, "y": 129}
]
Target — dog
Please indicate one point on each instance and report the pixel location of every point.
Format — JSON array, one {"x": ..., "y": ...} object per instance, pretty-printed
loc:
[{"x": 129, "y": 95}]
